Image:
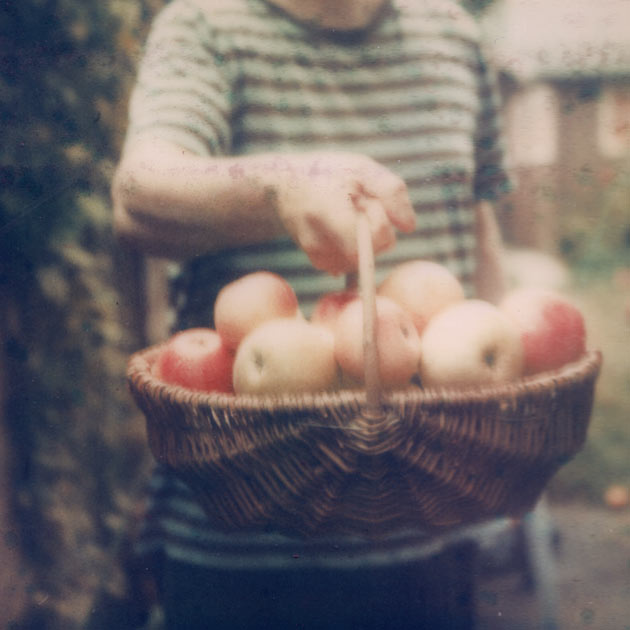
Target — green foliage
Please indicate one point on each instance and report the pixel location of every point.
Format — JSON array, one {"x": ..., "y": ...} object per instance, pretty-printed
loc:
[
  {"x": 595, "y": 223},
  {"x": 78, "y": 446},
  {"x": 50, "y": 113},
  {"x": 603, "y": 296}
]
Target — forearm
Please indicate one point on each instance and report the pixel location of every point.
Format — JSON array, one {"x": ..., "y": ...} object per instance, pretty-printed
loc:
[
  {"x": 169, "y": 202},
  {"x": 490, "y": 279}
]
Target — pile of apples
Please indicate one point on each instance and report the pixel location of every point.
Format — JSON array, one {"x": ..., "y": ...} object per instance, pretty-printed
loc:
[{"x": 428, "y": 333}]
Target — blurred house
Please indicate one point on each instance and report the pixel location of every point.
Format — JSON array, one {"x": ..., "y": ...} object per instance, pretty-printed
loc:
[{"x": 564, "y": 68}]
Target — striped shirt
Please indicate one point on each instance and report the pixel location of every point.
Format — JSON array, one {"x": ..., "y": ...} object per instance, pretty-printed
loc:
[{"x": 412, "y": 91}]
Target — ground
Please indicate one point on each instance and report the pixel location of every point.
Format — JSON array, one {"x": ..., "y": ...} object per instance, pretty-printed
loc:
[{"x": 592, "y": 577}]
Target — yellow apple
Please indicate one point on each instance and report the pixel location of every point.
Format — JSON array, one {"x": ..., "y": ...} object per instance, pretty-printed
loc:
[
  {"x": 423, "y": 288},
  {"x": 285, "y": 355},
  {"x": 398, "y": 342},
  {"x": 470, "y": 343}
]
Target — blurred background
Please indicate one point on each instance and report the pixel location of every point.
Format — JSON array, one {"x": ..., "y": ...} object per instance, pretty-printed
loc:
[{"x": 73, "y": 305}]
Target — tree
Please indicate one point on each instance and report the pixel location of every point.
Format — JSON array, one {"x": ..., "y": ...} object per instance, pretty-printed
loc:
[{"x": 76, "y": 442}]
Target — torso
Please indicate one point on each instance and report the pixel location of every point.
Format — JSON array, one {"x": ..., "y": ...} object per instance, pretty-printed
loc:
[{"x": 404, "y": 92}]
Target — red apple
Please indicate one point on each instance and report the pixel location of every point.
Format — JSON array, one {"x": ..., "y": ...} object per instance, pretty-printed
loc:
[
  {"x": 398, "y": 342},
  {"x": 552, "y": 327},
  {"x": 286, "y": 355},
  {"x": 196, "y": 359},
  {"x": 470, "y": 343},
  {"x": 244, "y": 304},
  {"x": 330, "y": 305},
  {"x": 423, "y": 288}
]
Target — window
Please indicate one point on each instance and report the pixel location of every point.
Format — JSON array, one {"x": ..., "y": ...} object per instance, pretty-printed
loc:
[
  {"x": 532, "y": 126},
  {"x": 613, "y": 125}
]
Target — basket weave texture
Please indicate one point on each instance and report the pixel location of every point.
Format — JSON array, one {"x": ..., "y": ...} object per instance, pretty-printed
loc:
[
  {"x": 367, "y": 462},
  {"x": 320, "y": 464}
]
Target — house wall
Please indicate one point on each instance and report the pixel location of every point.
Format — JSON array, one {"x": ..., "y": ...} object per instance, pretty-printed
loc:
[
  {"x": 531, "y": 132},
  {"x": 569, "y": 146}
]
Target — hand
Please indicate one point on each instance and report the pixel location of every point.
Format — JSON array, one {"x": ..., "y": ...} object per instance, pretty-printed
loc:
[{"x": 318, "y": 197}]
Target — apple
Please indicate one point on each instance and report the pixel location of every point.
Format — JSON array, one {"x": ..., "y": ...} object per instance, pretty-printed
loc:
[
  {"x": 247, "y": 302},
  {"x": 617, "y": 496},
  {"x": 397, "y": 338},
  {"x": 197, "y": 359},
  {"x": 329, "y": 306},
  {"x": 285, "y": 355},
  {"x": 470, "y": 343},
  {"x": 423, "y": 288},
  {"x": 552, "y": 327}
]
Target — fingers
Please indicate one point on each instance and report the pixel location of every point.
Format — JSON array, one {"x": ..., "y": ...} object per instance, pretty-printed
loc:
[
  {"x": 392, "y": 192},
  {"x": 330, "y": 239},
  {"x": 320, "y": 209},
  {"x": 381, "y": 228},
  {"x": 332, "y": 245}
]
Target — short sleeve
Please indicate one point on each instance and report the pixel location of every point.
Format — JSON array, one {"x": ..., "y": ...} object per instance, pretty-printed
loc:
[
  {"x": 491, "y": 177},
  {"x": 182, "y": 91}
]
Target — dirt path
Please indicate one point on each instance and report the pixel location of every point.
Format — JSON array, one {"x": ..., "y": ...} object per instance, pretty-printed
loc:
[{"x": 590, "y": 580}]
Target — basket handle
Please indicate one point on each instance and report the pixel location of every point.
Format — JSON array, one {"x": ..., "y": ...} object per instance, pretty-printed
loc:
[{"x": 367, "y": 291}]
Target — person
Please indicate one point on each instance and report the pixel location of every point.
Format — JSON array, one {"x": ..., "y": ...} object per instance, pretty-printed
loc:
[{"x": 258, "y": 130}]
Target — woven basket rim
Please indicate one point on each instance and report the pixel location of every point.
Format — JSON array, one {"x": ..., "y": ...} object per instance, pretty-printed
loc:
[
  {"x": 140, "y": 364},
  {"x": 271, "y": 460}
]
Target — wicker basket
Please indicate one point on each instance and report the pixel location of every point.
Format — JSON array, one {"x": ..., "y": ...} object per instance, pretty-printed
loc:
[{"x": 367, "y": 462}]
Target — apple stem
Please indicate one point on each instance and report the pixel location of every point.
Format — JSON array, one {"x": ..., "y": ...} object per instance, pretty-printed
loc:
[{"x": 368, "y": 296}]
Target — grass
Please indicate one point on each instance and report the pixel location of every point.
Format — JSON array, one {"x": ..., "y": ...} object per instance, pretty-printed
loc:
[{"x": 603, "y": 293}]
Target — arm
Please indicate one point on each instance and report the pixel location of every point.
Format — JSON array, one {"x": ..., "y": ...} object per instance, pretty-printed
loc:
[
  {"x": 490, "y": 281},
  {"x": 174, "y": 197},
  {"x": 171, "y": 202},
  {"x": 491, "y": 182}
]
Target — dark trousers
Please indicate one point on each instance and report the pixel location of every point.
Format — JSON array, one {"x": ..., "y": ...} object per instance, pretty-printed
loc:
[{"x": 432, "y": 594}]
